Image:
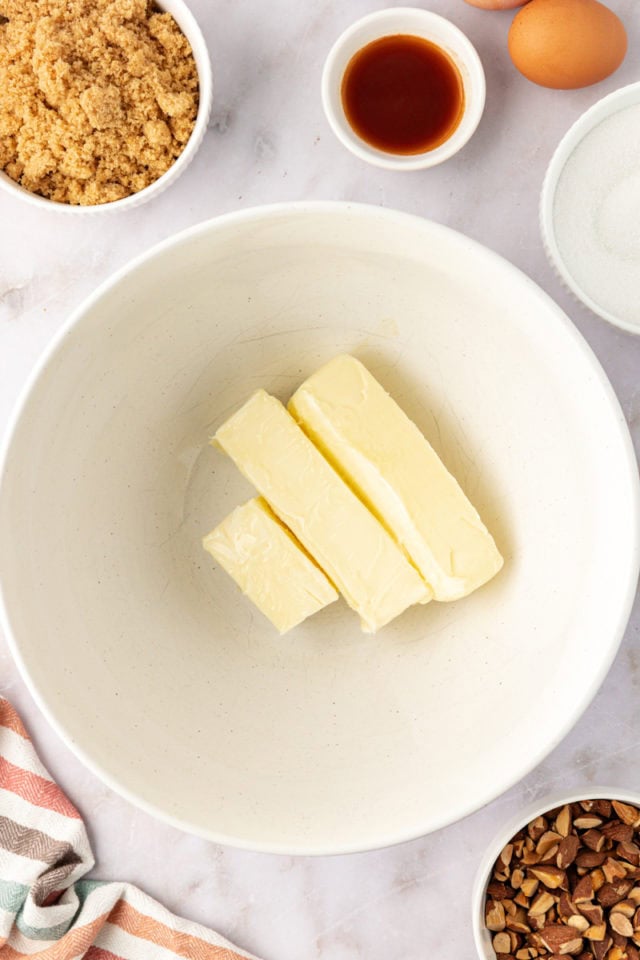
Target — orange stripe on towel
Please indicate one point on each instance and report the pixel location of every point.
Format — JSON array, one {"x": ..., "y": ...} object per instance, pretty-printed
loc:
[
  {"x": 97, "y": 953},
  {"x": 10, "y": 719},
  {"x": 184, "y": 944},
  {"x": 35, "y": 789}
]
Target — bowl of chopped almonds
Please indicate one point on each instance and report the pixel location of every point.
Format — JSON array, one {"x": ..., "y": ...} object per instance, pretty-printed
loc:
[
  {"x": 105, "y": 101},
  {"x": 563, "y": 879}
]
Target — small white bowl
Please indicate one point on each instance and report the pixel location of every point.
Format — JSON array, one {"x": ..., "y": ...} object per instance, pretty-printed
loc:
[
  {"x": 189, "y": 26},
  {"x": 481, "y": 935},
  {"x": 611, "y": 190},
  {"x": 418, "y": 23}
]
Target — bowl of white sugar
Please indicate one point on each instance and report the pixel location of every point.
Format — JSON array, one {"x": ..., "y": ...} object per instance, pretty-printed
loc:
[{"x": 590, "y": 208}]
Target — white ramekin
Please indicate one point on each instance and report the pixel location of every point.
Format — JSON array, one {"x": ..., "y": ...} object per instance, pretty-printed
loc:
[
  {"x": 606, "y": 107},
  {"x": 418, "y": 23},
  {"x": 481, "y": 935},
  {"x": 189, "y": 26}
]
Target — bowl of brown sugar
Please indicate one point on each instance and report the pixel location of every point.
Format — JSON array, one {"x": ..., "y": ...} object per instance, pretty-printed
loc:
[{"x": 103, "y": 103}]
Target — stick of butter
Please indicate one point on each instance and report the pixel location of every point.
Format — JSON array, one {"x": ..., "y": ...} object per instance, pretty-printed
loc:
[
  {"x": 381, "y": 453},
  {"x": 306, "y": 493},
  {"x": 269, "y": 566}
]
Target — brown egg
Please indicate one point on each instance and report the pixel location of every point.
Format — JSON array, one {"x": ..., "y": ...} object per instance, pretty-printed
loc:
[
  {"x": 497, "y": 4},
  {"x": 567, "y": 43}
]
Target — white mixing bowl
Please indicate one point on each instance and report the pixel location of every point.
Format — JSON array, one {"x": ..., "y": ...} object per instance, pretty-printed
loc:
[{"x": 145, "y": 657}]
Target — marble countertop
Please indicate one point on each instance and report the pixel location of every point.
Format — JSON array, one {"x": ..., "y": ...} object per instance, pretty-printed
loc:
[{"x": 268, "y": 141}]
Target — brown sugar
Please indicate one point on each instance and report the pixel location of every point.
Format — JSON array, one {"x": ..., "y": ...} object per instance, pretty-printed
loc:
[{"x": 97, "y": 97}]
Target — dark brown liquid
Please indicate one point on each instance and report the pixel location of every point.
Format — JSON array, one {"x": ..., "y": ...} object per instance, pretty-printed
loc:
[{"x": 403, "y": 94}]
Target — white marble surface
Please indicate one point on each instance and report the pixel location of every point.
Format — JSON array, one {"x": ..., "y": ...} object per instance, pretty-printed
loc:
[{"x": 268, "y": 141}]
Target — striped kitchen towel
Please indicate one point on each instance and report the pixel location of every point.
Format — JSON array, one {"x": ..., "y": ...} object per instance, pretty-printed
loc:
[{"x": 46, "y": 909}]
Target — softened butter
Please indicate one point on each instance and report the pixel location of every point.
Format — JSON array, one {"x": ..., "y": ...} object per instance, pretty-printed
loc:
[
  {"x": 269, "y": 566},
  {"x": 305, "y": 492},
  {"x": 382, "y": 454}
]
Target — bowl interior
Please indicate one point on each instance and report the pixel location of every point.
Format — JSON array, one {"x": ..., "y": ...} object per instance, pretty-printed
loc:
[{"x": 146, "y": 657}]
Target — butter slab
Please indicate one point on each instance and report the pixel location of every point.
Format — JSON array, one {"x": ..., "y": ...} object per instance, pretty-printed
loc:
[
  {"x": 382, "y": 454},
  {"x": 306, "y": 493},
  {"x": 269, "y": 566}
]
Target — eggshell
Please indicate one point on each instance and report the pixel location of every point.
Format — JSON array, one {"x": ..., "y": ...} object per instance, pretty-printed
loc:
[
  {"x": 496, "y": 4},
  {"x": 567, "y": 43}
]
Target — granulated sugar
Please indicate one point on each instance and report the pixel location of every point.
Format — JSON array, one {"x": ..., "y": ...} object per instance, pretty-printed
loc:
[{"x": 597, "y": 214}]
